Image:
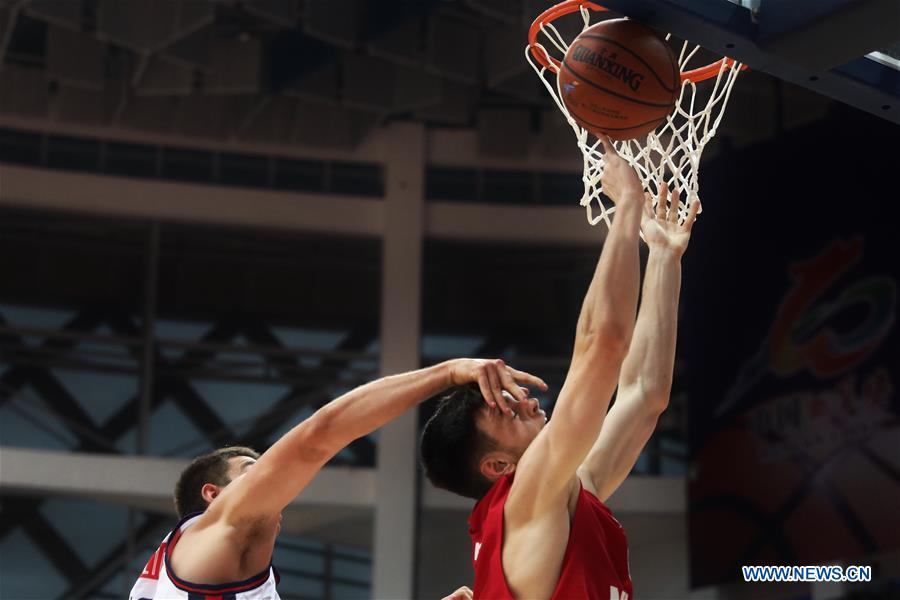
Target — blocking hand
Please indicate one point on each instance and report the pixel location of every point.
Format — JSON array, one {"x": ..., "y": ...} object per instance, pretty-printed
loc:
[{"x": 493, "y": 378}]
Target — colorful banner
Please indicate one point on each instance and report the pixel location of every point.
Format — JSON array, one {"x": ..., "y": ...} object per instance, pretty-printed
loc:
[{"x": 791, "y": 341}]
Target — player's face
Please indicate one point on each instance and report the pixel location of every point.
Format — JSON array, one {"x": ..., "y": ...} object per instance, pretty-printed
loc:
[
  {"x": 238, "y": 466},
  {"x": 514, "y": 433}
]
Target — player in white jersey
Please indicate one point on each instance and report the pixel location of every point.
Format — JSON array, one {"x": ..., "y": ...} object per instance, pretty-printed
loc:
[
  {"x": 230, "y": 501},
  {"x": 158, "y": 582}
]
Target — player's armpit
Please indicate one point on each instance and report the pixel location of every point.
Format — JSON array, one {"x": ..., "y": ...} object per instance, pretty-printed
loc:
[{"x": 279, "y": 474}]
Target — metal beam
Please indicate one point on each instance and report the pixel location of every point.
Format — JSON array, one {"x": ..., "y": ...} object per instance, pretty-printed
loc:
[
  {"x": 10, "y": 334},
  {"x": 313, "y": 391},
  {"x": 148, "y": 482},
  {"x": 139, "y": 479},
  {"x": 369, "y": 150},
  {"x": 340, "y": 215},
  {"x": 45, "y": 536},
  {"x": 88, "y": 582},
  {"x": 138, "y": 198},
  {"x": 179, "y": 389}
]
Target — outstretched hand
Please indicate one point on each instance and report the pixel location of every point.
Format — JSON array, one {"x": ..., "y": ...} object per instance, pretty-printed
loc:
[
  {"x": 493, "y": 378},
  {"x": 662, "y": 227}
]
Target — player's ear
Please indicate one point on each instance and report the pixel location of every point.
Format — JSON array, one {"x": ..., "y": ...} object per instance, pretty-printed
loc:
[
  {"x": 496, "y": 464},
  {"x": 209, "y": 491}
]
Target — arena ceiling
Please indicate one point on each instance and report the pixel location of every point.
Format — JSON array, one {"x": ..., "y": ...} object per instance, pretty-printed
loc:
[
  {"x": 308, "y": 73},
  {"x": 314, "y": 71}
]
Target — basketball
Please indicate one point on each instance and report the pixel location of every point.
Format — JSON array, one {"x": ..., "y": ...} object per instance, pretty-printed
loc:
[{"x": 619, "y": 78}]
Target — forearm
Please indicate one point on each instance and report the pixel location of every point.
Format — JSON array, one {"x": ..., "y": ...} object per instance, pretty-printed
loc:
[
  {"x": 610, "y": 303},
  {"x": 645, "y": 379},
  {"x": 651, "y": 356},
  {"x": 291, "y": 463},
  {"x": 604, "y": 329},
  {"x": 370, "y": 406},
  {"x": 288, "y": 466}
]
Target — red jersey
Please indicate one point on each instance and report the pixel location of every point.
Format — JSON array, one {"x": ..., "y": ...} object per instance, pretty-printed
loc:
[{"x": 595, "y": 564}]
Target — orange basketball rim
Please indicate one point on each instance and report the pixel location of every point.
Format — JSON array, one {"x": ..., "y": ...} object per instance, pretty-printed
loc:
[{"x": 571, "y": 6}]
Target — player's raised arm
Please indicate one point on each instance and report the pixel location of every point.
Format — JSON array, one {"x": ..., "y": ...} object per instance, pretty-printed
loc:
[
  {"x": 288, "y": 466},
  {"x": 646, "y": 378},
  {"x": 602, "y": 338}
]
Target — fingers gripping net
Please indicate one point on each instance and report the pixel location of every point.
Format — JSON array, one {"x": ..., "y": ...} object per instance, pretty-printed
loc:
[{"x": 671, "y": 154}]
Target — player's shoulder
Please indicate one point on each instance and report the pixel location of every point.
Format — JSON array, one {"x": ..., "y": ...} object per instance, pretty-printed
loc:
[
  {"x": 495, "y": 496},
  {"x": 526, "y": 502}
]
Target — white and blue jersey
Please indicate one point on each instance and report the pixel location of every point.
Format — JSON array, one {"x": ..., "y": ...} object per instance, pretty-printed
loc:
[{"x": 158, "y": 582}]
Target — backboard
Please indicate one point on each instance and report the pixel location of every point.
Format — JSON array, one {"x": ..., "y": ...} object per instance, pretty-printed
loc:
[{"x": 848, "y": 50}]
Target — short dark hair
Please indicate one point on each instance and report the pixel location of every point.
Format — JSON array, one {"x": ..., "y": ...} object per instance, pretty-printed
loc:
[
  {"x": 452, "y": 445},
  {"x": 209, "y": 468}
]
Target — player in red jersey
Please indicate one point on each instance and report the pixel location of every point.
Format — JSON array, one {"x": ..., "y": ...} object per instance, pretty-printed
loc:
[
  {"x": 540, "y": 528},
  {"x": 230, "y": 501}
]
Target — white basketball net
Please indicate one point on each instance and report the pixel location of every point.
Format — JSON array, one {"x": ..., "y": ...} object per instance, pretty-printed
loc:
[{"x": 671, "y": 153}]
